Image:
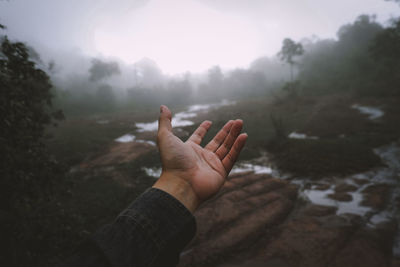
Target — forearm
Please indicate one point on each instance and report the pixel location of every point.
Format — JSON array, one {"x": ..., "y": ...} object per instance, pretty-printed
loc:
[
  {"x": 179, "y": 188},
  {"x": 152, "y": 231}
]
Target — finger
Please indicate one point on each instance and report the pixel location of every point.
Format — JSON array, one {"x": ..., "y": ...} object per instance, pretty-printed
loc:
[
  {"x": 219, "y": 137},
  {"x": 200, "y": 132},
  {"x": 164, "y": 121},
  {"x": 233, "y": 154},
  {"x": 228, "y": 142}
]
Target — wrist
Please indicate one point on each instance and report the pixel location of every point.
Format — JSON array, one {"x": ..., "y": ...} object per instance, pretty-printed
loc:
[{"x": 179, "y": 188}]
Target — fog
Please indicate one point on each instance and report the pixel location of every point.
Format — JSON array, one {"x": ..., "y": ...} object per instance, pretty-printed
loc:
[
  {"x": 187, "y": 44},
  {"x": 316, "y": 84},
  {"x": 179, "y": 35}
]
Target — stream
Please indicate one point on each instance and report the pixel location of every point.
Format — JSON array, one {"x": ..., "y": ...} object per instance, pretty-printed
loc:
[{"x": 311, "y": 191}]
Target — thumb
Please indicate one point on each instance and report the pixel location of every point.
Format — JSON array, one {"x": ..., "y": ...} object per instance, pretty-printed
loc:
[{"x": 164, "y": 122}]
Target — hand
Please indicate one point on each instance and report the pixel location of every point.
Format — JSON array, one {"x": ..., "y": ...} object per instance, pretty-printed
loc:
[{"x": 191, "y": 173}]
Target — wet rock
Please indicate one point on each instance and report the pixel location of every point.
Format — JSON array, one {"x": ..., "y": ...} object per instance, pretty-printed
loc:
[
  {"x": 118, "y": 153},
  {"x": 319, "y": 210},
  {"x": 360, "y": 181},
  {"x": 254, "y": 221},
  {"x": 341, "y": 197},
  {"x": 344, "y": 187},
  {"x": 248, "y": 208},
  {"x": 376, "y": 196},
  {"x": 309, "y": 241},
  {"x": 322, "y": 187},
  {"x": 367, "y": 247}
]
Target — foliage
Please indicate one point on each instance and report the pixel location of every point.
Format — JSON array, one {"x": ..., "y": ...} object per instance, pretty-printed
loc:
[
  {"x": 345, "y": 65},
  {"x": 26, "y": 169},
  {"x": 385, "y": 50},
  {"x": 290, "y": 49},
  {"x": 101, "y": 70}
]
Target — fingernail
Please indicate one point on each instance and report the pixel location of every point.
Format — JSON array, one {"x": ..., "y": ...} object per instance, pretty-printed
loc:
[{"x": 161, "y": 109}]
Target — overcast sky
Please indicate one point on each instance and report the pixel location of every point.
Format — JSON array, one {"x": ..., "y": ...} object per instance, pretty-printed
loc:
[{"x": 180, "y": 35}]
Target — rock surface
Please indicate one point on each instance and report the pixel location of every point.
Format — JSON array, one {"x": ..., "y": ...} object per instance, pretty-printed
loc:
[
  {"x": 118, "y": 153},
  {"x": 257, "y": 220},
  {"x": 247, "y": 208},
  {"x": 376, "y": 196}
]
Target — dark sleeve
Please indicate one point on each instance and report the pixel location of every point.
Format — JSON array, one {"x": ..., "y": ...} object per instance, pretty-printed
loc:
[{"x": 152, "y": 231}]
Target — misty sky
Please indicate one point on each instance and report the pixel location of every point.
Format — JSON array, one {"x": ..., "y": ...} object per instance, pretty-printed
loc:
[{"x": 180, "y": 35}]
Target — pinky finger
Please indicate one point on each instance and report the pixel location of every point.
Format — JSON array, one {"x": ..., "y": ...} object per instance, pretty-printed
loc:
[{"x": 233, "y": 154}]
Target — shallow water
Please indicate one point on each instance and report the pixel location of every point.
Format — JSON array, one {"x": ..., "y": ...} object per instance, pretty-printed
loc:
[
  {"x": 152, "y": 172},
  {"x": 390, "y": 155},
  {"x": 146, "y": 142},
  {"x": 320, "y": 197},
  {"x": 248, "y": 167},
  {"x": 373, "y": 112},
  {"x": 295, "y": 135},
  {"x": 180, "y": 119},
  {"x": 103, "y": 121},
  {"x": 126, "y": 138},
  {"x": 131, "y": 138}
]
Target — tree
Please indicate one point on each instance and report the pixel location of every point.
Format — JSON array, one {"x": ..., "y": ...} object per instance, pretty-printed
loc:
[
  {"x": 101, "y": 69},
  {"x": 290, "y": 49},
  {"x": 26, "y": 169},
  {"x": 385, "y": 50},
  {"x": 25, "y": 105}
]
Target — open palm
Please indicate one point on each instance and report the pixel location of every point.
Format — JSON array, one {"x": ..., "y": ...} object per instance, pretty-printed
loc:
[{"x": 205, "y": 169}]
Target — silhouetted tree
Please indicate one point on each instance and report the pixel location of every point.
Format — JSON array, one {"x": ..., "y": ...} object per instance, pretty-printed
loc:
[
  {"x": 385, "y": 50},
  {"x": 345, "y": 64},
  {"x": 101, "y": 69},
  {"x": 26, "y": 169},
  {"x": 290, "y": 49}
]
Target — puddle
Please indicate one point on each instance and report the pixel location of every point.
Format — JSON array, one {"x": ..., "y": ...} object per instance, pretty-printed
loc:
[
  {"x": 295, "y": 135},
  {"x": 147, "y": 142},
  {"x": 126, "y": 138},
  {"x": 180, "y": 119},
  {"x": 380, "y": 217},
  {"x": 390, "y": 155},
  {"x": 103, "y": 121},
  {"x": 147, "y": 126},
  {"x": 152, "y": 172},
  {"x": 373, "y": 112},
  {"x": 131, "y": 138},
  {"x": 320, "y": 197},
  {"x": 248, "y": 167}
]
